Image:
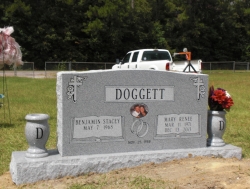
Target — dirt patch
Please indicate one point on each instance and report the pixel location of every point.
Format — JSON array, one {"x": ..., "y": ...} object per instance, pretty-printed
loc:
[{"x": 198, "y": 172}]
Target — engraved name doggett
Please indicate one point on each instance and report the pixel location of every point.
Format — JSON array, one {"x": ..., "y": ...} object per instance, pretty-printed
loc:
[{"x": 145, "y": 93}]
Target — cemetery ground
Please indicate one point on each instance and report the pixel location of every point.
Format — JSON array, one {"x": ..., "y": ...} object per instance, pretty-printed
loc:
[
  {"x": 29, "y": 95},
  {"x": 197, "y": 172}
]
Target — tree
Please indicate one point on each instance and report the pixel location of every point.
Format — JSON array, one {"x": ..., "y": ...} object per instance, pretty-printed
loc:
[{"x": 103, "y": 30}]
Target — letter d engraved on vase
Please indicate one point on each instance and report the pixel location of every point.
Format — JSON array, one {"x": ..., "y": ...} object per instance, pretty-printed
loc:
[
  {"x": 39, "y": 133},
  {"x": 222, "y": 125}
]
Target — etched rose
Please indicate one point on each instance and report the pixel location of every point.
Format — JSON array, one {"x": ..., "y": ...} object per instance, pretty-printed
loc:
[{"x": 70, "y": 88}]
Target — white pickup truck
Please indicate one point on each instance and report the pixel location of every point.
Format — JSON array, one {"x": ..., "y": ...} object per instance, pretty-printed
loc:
[{"x": 156, "y": 59}]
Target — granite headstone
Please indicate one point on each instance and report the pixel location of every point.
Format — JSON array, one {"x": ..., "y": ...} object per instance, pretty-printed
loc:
[
  {"x": 110, "y": 111},
  {"x": 114, "y": 119}
]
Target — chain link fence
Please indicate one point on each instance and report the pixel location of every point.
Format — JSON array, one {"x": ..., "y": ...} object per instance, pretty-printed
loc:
[
  {"x": 225, "y": 65},
  {"x": 27, "y": 67},
  {"x": 51, "y": 68}
]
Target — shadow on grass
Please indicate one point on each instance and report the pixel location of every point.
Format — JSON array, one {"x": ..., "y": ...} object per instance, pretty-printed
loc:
[{"x": 6, "y": 125}]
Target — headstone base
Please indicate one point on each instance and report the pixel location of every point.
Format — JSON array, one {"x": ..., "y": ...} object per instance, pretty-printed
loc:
[{"x": 29, "y": 170}]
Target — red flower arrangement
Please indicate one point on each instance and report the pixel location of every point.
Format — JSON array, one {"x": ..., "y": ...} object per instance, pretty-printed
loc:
[{"x": 219, "y": 99}]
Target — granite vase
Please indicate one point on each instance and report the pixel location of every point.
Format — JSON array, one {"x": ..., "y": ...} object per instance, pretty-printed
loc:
[
  {"x": 216, "y": 127},
  {"x": 37, "y": 133}
]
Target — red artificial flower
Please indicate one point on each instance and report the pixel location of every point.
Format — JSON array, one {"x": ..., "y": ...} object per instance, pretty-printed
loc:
[
  {"x": 227, "y": 103},
  {"x": 219, "y": 99},
  {"x": 219, "y": 95}
]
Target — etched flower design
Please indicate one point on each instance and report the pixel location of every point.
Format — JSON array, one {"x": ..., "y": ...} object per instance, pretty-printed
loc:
[{"x": 70, "y": 88}]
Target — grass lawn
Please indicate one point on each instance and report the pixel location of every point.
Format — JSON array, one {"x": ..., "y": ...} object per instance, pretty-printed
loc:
[
  {"x": 28, "y": 95},
  {"x": 238, "y": 124},
  {"x": 25, "y": 96}
]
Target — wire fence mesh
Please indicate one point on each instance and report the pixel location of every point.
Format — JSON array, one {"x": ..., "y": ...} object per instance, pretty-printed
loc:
[
  {"x": 51, "y": 68},
  {"x": 226, "y": 65}
]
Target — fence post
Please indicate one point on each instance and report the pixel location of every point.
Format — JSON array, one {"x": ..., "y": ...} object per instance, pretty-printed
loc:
[
  {"x": 234, "y": 66},
  {"x": 45, "y": 70},
  {"x": 69, "y": 66},
  {"x": 33, "y": 71}
]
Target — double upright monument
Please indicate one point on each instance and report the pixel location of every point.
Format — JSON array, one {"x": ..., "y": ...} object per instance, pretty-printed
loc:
[{"x": 110, "y": 119}]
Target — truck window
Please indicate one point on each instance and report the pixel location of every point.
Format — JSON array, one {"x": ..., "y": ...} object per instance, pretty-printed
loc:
[
  {"x": 155, "y": 55},
  {"x": 126, "y": 58},
  {"x": 135, "y": 56}
]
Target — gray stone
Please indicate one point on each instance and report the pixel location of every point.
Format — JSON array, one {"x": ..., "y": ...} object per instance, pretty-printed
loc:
[
  {"x": 96, "y": 111},
  {"x": 37, "y": 133},
  {"x": 26, "y": 170},
  {"x": 99, "y": 128}
]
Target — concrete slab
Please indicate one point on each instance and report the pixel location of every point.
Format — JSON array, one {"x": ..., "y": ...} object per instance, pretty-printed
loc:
[{"x": 29, "y": 170}]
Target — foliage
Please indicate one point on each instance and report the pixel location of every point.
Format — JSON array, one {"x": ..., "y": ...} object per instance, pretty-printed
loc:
[{"x": 103, "y": 30}]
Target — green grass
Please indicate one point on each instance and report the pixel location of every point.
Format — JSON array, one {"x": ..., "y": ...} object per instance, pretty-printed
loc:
[
  {"x": 238, "y": 122},
  {"x": 132, "y": 182},
  {"x": 24, "y": 96},
  {"x": 27, "y": 95}
]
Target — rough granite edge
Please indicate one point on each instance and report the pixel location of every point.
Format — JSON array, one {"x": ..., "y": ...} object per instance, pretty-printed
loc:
[
  {"x": 59, "y": 110},
  {"x": 27, "y": 170}
]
